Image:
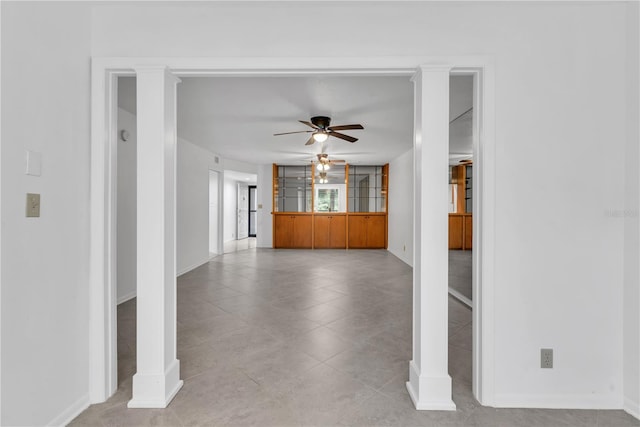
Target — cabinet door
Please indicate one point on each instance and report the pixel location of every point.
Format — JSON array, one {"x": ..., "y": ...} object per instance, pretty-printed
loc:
[
  {"x": 321, "y": 232},
  {"x": 455, "y": 231},
  {"x": 282, "y": 231},
  {"x": 358, "y": 231},
  {"x": 468, "y": 232},
  {"x": 301, "y": 231},
  {"x": 337, "y": 232},
  {"x": 376, "y": 225}
]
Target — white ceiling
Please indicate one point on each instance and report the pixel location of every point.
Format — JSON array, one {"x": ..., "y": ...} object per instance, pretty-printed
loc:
[
  {"x": 248, "y": 178},
  {"x": 236, "y": 117}
]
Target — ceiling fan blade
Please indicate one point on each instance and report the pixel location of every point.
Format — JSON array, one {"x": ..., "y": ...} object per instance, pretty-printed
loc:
[
  {"x": 345, "y": 127},
  {"x": 310, "y": 141},
  {"x": 288, "y": 133},
  {"x": 336, "y": 161},
  {"x": 343, "y": 136},
  {"x": 309, "y": 124}
]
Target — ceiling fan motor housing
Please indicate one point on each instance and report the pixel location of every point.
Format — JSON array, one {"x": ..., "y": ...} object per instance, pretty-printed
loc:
[{"x": 322, "y": 122}]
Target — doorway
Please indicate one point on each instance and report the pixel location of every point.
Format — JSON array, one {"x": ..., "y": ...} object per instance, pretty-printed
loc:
[
  {"x": 253, "y": 210},
  {"x": 243, "y": 211},
  {"x": 102, "y": 218}
]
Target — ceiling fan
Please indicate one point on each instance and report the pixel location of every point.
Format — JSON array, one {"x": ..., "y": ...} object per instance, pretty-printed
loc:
[
  {"x": 324, "y": 162},
  {"x": 323, "y": 166},
  {"x": 322, "y": 130}
]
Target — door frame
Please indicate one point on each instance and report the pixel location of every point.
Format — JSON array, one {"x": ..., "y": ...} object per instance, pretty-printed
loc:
[
  {"x": 104, "y": 74},
  {"x": 255, "y": 210}
]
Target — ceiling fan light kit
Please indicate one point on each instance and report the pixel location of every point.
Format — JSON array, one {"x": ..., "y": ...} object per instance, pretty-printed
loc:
[
  {"x": 322, "y": 130},
  {"x": 320, "y": 136}
]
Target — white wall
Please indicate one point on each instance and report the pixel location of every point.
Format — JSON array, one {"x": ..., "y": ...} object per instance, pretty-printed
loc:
[
  {"x": 45, "y": 313},
  {"x": 192, "y": 228},
  {"x": 126, "y": 205},
  {"x": 214, "y": 212},
  {"x": 401, "y": 207},
  {"x": 552, "y": 242},
  {"x": 560, "y": 100},
  {"x": 631, "y": 218},
  {"x": 230, "y": 197},
  {"x": 264, "y": 196}
]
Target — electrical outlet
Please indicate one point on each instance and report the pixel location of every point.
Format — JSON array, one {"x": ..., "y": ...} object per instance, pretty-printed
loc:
[{"x": 546, "y": 358}]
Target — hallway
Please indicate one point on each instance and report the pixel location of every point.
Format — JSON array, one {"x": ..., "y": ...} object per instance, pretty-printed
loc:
[{"x": 293, "y": 337}]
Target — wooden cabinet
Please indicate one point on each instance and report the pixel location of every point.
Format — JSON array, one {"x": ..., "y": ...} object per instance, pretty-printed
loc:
[
  {"x": 330, "y": 231},
  {"x": 455, "y": 231},
  {"x": 346, "y": 208},
  {"x": 460, "y": 231},
  {"x": 468, "y": 232},
  {"x": 367, "y": 231},
  {"x": 292, "y": 231}
]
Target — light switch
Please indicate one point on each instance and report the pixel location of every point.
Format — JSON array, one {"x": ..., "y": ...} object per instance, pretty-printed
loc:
[
  {"x": 259, "y": 205},
  {"x": 33, "y": 205},
  {"x": 34, "y": 163}
]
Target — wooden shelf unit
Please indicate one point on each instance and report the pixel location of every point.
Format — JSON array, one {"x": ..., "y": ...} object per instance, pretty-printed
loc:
[
  {"x": 461, "y": 222},
  {"x": 331, "y": 230}
]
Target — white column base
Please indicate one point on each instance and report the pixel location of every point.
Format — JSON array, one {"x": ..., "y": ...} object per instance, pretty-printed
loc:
[
  {"x": 429, "y": 393},
  {"x": 156, "y": 390}
]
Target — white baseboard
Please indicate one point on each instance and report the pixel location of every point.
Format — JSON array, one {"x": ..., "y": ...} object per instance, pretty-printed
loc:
[
  {"x": 71, "y": 412},
  {"x": 126, "y": 297},
  {"x": 457, "y": 295},
  {"x": 429, "y": 393},
  {"x": 558, "y": 401},
  {"x": 632, "y": 408},
  {"x": 399, "y": 256},
  {"x": 194, "y": 266}
]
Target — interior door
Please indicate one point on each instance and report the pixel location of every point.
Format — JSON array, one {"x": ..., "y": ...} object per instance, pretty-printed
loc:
[{"x": 243, "y": 211}]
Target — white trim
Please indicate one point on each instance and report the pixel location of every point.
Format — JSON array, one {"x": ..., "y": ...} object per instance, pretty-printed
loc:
[
  {"x": 126, "y": 297},
  {"x": 102, "y": 364},
  {"x": 632, "y": 408},
  {"x": 558, "y": 401},
  {"x": 150, "y": 385},
  {"x": 426, "y": 404},
  {"x": 159, "y": 404},
  {"x": 71, "y": 412},
  {"x": 194, "y": 266},
  {"x": 463, "y": 299}
]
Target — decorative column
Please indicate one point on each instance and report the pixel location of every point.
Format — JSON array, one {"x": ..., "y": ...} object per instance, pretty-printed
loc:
[
  {"x": 157, "y": 379},
  {"x": 429, "y": 381}
]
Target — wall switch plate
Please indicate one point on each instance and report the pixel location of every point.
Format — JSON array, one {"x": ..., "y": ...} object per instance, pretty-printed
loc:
[
  {"x": 33, "y": 163},
  {"x": 546, "y": 358},
  {"x": 259, "y": 205},
  {"x": 33, "y": 205}
]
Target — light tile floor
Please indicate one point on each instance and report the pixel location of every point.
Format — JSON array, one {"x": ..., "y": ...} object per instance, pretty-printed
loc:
[
  {"x": 313, "y": 338},
  {"x": 460, "y": 272}
]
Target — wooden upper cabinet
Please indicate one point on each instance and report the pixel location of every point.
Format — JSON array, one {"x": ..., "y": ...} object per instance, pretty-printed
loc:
[
  {"x": 330, "y": 232},
  {"x": 367, "y": 231}
]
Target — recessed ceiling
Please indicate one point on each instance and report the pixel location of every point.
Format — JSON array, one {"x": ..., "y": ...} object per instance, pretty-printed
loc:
[{"x": 236, "y": 117}]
